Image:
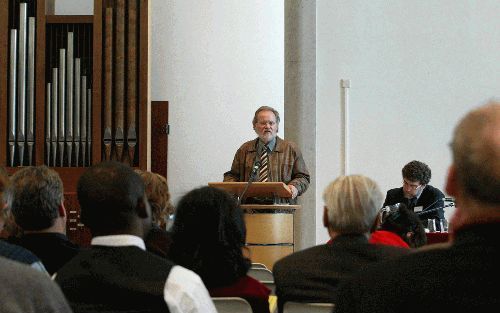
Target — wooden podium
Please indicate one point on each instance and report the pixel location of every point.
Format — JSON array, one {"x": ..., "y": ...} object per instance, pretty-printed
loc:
[{"x": 269, "y": 226}]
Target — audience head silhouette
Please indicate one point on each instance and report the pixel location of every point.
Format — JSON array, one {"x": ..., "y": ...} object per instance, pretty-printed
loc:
[
  {"x": 208, "y": 236},
  {"x": 406, "y": 224},
  {"x": 37, "y": 198},
  {"x": 113, "y": 201},
  {"x": 351, "y": 205},
  {"x": 474, "y": 176},
  {"x": 158, "y": 196}
]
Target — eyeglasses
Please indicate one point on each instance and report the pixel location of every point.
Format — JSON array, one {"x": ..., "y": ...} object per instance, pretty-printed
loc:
[
  {"x": 412, "y": 186},
  {"x": 264, "y": 123}
]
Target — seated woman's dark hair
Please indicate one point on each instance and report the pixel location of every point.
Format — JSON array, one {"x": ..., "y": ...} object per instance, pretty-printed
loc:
[
  {"x": 406, "y": 224},
  {"x": 208, "y": 236}
]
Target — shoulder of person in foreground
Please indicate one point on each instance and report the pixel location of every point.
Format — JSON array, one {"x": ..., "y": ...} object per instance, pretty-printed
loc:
[
  {"x": 392, "y": 285},
  {"x": 185, "y": 292},
  {"x": 22, "y": 255},
  {"x": 44, "y": 295}
]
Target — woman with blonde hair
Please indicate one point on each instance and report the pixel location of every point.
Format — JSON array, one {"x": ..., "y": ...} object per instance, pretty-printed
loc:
[{"x": 158, "y": 239}]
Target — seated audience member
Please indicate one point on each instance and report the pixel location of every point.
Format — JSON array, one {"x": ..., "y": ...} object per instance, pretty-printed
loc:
[
  {"x": 417, "y": 194},
  {"x": 8, "y": 227},
  {"x": 23, "y": 289},
  {"x": 38, "y": 208},
  {"x": 400, "y": 227},
  {"x": 10, "y": 251},
  {"x": 464, "y": 276},
  {"x": 313, "y": 275},
  {"x": 117, "y": 274},
  {"x": 158, "y": 239},
  {"x": 208, "y": 237}
]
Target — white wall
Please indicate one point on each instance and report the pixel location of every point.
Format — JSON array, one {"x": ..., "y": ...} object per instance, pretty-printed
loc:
[
  {"x": 215, "y": 62},
  {"x": 415, "y": 68}
]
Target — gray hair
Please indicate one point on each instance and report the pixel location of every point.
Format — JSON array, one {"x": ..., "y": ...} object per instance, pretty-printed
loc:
[
  {"x": 37, "y": 193},
  {"x": 352, "y": 204},
  {"x": 476, "y": 153},
  {"x": 266, "y": 108}
]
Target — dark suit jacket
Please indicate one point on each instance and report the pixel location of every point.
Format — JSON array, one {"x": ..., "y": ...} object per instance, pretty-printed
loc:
[
  {"x": 115, "y": 279},
  {"x": 53, "y": 249},
  {"x": 462, "y": 278},
  {"x": 430, "y": 198},
  {"x": 313, "y": 275}
]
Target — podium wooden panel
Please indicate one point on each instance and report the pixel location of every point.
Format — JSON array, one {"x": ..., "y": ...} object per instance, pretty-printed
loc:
[
  {"x": 256, "y": 189},
  {"x": 268, "y": 255},
  {"x": 269, "y": 226},
  {"x": 269, "y": 231}
]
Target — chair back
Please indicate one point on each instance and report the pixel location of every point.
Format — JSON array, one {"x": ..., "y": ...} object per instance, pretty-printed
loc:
[
  {"x": 299, "y": 307},
  {"x": 259, "y": 265},
  {"x": 263, "y": 275},
  {"x": 231, "y": 305}
]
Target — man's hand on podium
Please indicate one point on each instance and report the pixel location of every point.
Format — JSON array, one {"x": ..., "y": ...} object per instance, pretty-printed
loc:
[{"x": 293, "y": 190}]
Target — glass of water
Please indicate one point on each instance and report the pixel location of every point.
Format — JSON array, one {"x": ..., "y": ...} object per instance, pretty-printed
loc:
[{"x": 431, "y": 225}]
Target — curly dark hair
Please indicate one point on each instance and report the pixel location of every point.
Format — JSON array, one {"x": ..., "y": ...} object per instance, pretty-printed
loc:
[
  {"x": 403, "y": 221},
  {"x": 417, "y": 171},
  {"x": 208, "y": 236}
]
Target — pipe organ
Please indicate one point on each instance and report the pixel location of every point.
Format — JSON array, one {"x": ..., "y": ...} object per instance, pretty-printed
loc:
[
  {"x": 69, "y": 63},
  {"x": 75, "y": 89}
]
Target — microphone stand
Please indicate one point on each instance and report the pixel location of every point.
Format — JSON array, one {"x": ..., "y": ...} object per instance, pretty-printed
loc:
[
  {"x": 430, "y": 205},
  {"x": 251, "y": 178},
  {"x": 434, "y": 210}
]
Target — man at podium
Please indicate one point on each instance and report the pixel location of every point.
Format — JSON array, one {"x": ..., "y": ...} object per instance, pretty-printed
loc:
[{"x": 269, "y": 158}]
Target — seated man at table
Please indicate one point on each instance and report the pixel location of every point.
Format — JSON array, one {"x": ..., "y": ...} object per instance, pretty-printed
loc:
[
  {"x": 463, "y": 277},
  {"x": 313, "y": 275},
  {"x": 416, "y": 193}
]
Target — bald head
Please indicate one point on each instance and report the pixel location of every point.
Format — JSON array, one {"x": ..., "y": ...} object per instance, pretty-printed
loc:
[{"x": 476, "y": 154}]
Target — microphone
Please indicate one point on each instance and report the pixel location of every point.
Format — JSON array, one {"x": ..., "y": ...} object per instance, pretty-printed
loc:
[
  {"x": 390, "y": 208},
  {"x": 430, "y": 205},
  {"x": 251, "y": 178},
  {"x": 255, "y": 168},
  {"x": 435, "y": 209}
]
